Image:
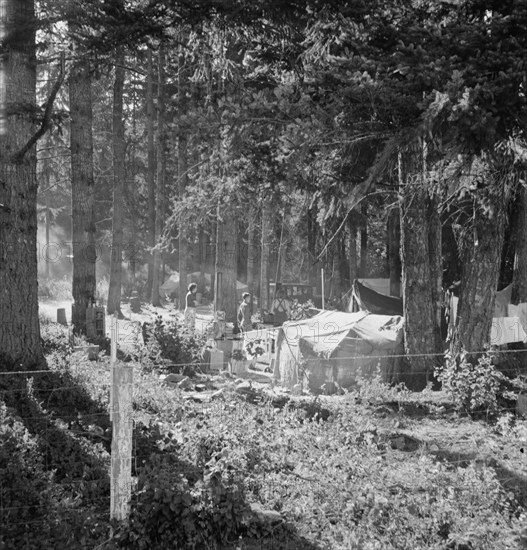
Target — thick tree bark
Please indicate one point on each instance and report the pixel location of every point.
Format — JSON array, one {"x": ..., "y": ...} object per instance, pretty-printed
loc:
[
  {"x": 419, "y": 248},
  {"x": 182, "y": 181},
  {"x": 212, "y": 265},
  {"x": 364, "y": 241},
  {"x": 114, "y": 293},
  {"x": 435, "y": 254},
  {"x": 481, "y": 249},
  {"x": 226, "y": 264},
  {"x": 394, "y": 252},
  {"x": 48, "y": 226},
  {"x": 161, "y": 169},
  {"x": 202, "y": 257},
  {"x": 336, "y": 281},
  {"x": 151, "y": 171},
  {"x": 311, "y": 247},
  {"x": 82, "y": 195},
  {"x": 252, "y": 251},
  {"x": 519, "y": 277},
  {"x": 19, "y": 326}
]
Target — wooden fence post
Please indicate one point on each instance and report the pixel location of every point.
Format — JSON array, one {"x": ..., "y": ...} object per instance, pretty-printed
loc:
[{"x": 121, "y": 460}]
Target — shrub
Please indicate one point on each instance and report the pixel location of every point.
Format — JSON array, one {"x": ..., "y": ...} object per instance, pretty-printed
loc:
[
  {"x": 55, "y": 337},
  {"x": 25, "y": 487},
  {"x": 474, "y": 386},
  {"x": 169, "y": 512},
  {"x": 374, "y": 389},
  {"x": 173, "y": 342}
]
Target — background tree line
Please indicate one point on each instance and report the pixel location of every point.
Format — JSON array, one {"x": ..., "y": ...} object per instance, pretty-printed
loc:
[{"x": 382, "y": 138}]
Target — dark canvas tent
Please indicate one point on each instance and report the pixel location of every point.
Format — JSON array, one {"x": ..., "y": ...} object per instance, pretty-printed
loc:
[
  {"x": 336, "y": 346},
  {"x": 374, "y": 302}
]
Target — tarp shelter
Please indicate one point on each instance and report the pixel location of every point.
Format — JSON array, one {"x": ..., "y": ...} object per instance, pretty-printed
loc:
[
  {"x": 336, "y": 346},
  {"x": 382, "y": 286},
  {"x": 509, "y": 322},
  {"x": 171, "y": 284},
  {"x": 374, "y": 302}
]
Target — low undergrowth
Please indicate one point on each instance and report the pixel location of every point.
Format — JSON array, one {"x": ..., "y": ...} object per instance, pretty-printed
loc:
[{"x": 325, "y": 467}]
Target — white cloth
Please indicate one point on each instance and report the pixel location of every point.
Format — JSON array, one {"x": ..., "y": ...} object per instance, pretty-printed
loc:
[
  {"x": 506, "y": 330},
  {"x": 519, "y": 311},
  {"x": 190, "y": 317},
  {"x": 503, "y": 299}
]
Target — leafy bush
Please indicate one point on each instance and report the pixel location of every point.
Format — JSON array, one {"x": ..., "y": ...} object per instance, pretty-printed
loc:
[
  {"x": 170, "y": 512},
  {"x": 174, "y": 342},
  {"x": 25, "y": 487},
  {"x": 55, "y": 337},
  {"x": 473, "y": 386},
  {"x": 374, "y": 389}
]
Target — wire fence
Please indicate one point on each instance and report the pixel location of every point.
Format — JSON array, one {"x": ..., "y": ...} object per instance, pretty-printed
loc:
[{"x": 79, "y": 476}]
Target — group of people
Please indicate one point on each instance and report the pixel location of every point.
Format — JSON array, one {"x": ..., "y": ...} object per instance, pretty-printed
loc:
[{"x": 280, "y": 309}]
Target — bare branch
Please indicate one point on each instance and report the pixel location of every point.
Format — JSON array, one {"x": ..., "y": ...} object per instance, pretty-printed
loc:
[
  {"x": 361, "y": 191},
  {"x": 46, "y": 121}
]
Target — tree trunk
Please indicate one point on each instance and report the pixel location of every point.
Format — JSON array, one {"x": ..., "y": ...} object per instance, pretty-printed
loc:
[
  {"x": 435, "y": 254},
  {"x": 336, "y": 283},
  {"x": 82, "y": 195},
  {"x": 418, "y": 254},
  {"x": 182, "y": 181},
  {"x": 264, "y": 259},
  {"x": 114, "y": 292},
  {"x": 311, "y": 247},
  {"x": 202, "y": 258},
  {"x": 364, "y": 241},
  {"x": 519, "y": 277},
  {"x": 161, "y": 169},
  {"x": 481, "y": 248},
  {"x": 394, "y": 252},
  {"x": 352, "y": 250},
  {"x": 151, "y": 179},
  {"x": 19, "y": 327},
  {"x": 48, "y": 225},
  {"x": 212, "y": 265},
  {"x": 226, "y": 265},
  {"x": 251, "y": 252}
]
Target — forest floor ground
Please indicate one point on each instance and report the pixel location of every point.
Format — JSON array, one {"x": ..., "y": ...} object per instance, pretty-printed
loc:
[
  {"x": 48, "y": 310},
  {"x": 376, "y": 468}
]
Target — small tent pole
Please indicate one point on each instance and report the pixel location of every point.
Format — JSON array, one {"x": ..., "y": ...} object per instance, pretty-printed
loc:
[{"x": 322, "y": 277}]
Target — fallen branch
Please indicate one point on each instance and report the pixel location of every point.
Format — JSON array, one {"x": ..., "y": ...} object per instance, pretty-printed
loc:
[{"x": 46, "y": 120}]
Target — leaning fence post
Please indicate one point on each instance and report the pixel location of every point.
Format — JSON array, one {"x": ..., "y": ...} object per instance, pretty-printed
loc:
[{"x": 121, "y": 459}]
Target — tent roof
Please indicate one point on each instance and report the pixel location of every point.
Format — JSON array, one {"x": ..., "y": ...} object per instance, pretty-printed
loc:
[
  {"x": 171, "y": 283},
  {"x": 324, "y": 333},
  {"x": 375, "y": 302},
  {"x": 382, "y": 286}
]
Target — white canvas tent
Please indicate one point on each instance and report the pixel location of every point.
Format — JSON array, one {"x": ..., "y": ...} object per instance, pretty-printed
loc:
[
  {"x": 509, "y": 322},
  {"x": 336, "y": 346},
  {"x": 170, "y": 285}
]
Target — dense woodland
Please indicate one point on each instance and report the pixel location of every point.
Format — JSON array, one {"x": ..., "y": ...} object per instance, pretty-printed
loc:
[{"x": 264, "y": 140}]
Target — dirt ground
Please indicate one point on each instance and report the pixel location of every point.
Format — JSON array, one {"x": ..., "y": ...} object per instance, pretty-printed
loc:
[{"x": 129, "y": 327}]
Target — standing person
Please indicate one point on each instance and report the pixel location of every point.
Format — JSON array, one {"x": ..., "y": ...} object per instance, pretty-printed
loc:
[
  {"x": 281, "y": 308},
  {"x": 244, "y": 313},
  {"x": 190, "y": 306}
]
